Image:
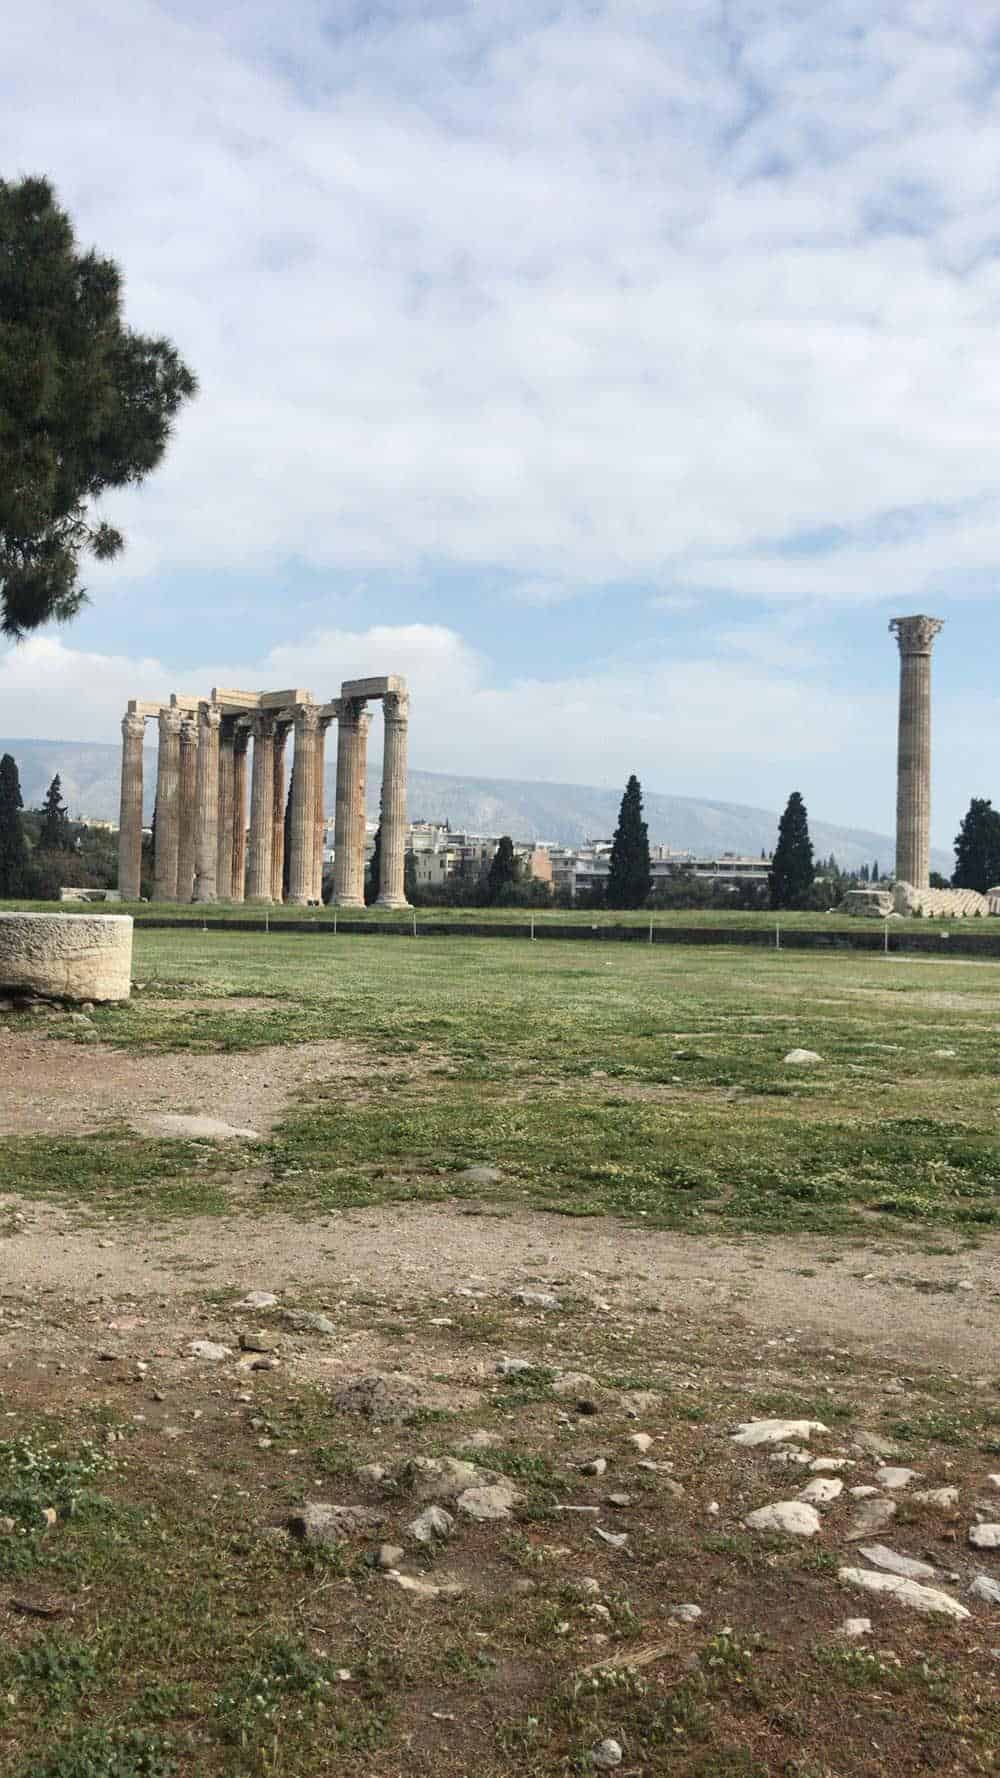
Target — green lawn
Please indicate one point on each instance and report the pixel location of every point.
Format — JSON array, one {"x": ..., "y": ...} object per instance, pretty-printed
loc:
[{"x": 649, "y": 1082}]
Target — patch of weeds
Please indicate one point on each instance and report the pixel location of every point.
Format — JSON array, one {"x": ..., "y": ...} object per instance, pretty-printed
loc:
[
  {"x": 98, "y": 1753},
  {"x": 35, "y": 1476},
  {"x": 56, "y": 1669}
]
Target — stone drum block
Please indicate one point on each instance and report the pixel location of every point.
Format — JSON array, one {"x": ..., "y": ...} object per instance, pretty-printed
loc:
[{"x": 66, "y": 956}]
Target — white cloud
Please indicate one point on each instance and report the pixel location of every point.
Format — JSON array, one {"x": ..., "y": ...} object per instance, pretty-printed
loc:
[{"x": 603, "y": 294}]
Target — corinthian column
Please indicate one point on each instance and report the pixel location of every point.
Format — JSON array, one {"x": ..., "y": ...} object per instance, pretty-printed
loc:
[
  {"x": 356, "y": 886},
  {"x": 278, "y": 814},
  {"x": 224, "y": 835},
  {"x": 130, "y": 808},
  {"x": 241, "y": 740},
  {"x": 188, "y": 808},
  {"x": 319, "y": 820},
  {"x": 392, "y": 845},
  {"x": 352, "y": 734},
  {"x": 207, "y": 838},
  {"x": 300, "y": 863},
  {"x": 915, "y": 636},
  {"x": 261, "y": 808},
  {"x": 167, "y": 813}
]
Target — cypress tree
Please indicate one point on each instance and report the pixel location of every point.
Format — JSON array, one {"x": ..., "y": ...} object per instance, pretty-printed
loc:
[
  {"x": 374, "y": 879},
  {"x": 630, "y": 877},
  {"x": 54, "y": 834},
  {"x": 286, "y": 862},
  {"x": 977, "y": 847},
  {"x": 13, "y": 846},
  {"x": 792, "y": 868},
  {"x": 502, "y": 872}
]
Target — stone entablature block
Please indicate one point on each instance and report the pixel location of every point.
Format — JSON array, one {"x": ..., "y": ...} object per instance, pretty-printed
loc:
[{"x": 939, "y": 904}]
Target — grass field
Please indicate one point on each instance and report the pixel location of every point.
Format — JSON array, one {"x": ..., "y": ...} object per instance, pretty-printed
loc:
[{"x": 156, "y": 1620}]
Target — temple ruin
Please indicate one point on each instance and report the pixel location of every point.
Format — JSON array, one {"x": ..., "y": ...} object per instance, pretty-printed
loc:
[{"x": 204, "y": 850}]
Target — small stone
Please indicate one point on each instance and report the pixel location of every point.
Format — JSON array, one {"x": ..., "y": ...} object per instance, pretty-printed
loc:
[
  {"x": 319, "y": 1522},
  {"x": 482, "y": 1441},
  {"x": 371, "y": 1472},
  {"x": 513, "y": 1367},
  {"x": 854, "y": 1627},
  {"x": 617, "y": 1540},
  {"x": 431, "y": 1523},
  {"x": 685, "y": 1614},
  {"x": 794, "y": 1518},
  {"x": 620, "y": 1500},
  {"x": 442, "y": 1478},
  {"x": 307, "y": 1321},
  {"x": 787, "y": 1455},
  {"x": 49, "y": 1515},
  {"x": 606, "y": 1755},
  {"x": 985, "y": 1587},
  {"x": 775, "y": 1432},
  {"x": 425, "y": 1589},
  {"x": 875, "y": 1444},
  {"x": 389, "y": 1555},
  {"x": 827, "y": 1465},
  {"x": 483, "y": 1504},
  {"x": 7, "y": 1526},
  {"x": 994, "y": 1481},
  {"x": 937, "y": 1496},
  {"x": 258, "y": 1299},
  {"x": 822, "y": 1491},
  {"x": 255, "y": 1342},
  {"x": 642, "y": 1442},
  {"x": 594, "y": 1466},
  {"x": 210, "y": 1350},
  {"x": 480, "y": 1175},
  {"x": 863, "y": 1491},
  {"x": 572, "y": 1383},
  {"x": 881, "y": 1557},
  {"x": 929, "y": 1600},
  {"x": 985, "y": 1537},
  {"x": 803, "y": 1058},
  {"x": 535, "y": 1299},
  {"x": 894, "y": 1478},
  {"x": 872, "y": 1516}
]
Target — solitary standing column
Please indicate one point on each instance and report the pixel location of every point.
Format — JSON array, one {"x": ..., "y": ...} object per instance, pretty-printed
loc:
[
  {"x": 915, "y": 636},
  {"x": 186, "y": 844},
  {"x": 392, "y": 846},
  {"x": 167, "y": 812},
  {"x": 261, "y": 808},
  {"x": 241, "y": 740},
  {"x": 207, "y": 840},
  {"x": 300, "y": 863},
  {"x": 278, "y": 838},
  {"x": 345, "y": 840},
  {"x": 130, "y": 810},
  {"x": 319, "y": 820},
  {"x": 224, "y": 840}
]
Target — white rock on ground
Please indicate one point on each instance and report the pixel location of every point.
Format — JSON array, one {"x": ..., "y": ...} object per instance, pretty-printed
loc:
[
  {"x": 258, "y": 1299},
  {"x": 827, "y": 1465},
  {"x": 894, "y": 1477},
  {"x": 210, "y": 1350},
  {"x": 985, "y": 1587},
  {"x": 432, "y": 1522},
  {"x": 685, "y": 1614},
  {"x": 425, "y": 1589},
  {"x": 494, "y": 1502},
  {"x": 994, "y": 1481},
  {"x": 606, "y": 1756},
  {"x": 856, "y": 1626},
  {"x": 822, "y": 1491},
  {"x": 937, "y": 1496},
  {"x": 803, "y": 1058},
  {"x": 880, "y": 1556},
  {"x": 985, "y": 1537},
  {"x": 929, "y": 1600},
  {"x": 535, "y": 1299},
  {"x": 871, "y": 1516},
  {"x": 794, "y": 1518},
  {"x": 642, "y": 1442},
  {"x": 775, "y": 1432}
]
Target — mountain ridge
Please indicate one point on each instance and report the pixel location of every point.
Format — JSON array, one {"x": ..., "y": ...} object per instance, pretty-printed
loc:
[{"x": 564, "y": 814}]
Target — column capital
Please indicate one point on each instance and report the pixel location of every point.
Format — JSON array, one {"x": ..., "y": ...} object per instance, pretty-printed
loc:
[
  {"x": 396, "y": 706},
  {"x": 209, "y": 716},
  {"x": 133, "y": 726},
  {"x": 351, "y": 711},
  {"x": 189, "y": 731},
  {"x": 307, "y": 719},
  {"x": 170, "y": 721},
  {"x": 241, "y": 736},
  {"x": 262, "y": 725},
  {"x": 915, "y": 635}
]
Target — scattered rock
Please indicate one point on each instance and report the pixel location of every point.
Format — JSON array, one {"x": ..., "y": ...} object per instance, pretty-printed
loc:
[
  {"x": 619, "y": 1500},
  {"x": 823, "y": 1491},
  {"x": 937, "y": 1496},
  {"x": 535, "y": 1299},
  {"x": 210, "y": 1350},
  {"x": 617, "y": 1539},
  {"x": 775, "y": 1432},
  {"x": 794, "y": 1518},
  {"x": 871, "y": 1516},
  {"x": 685, "y": 1614},
  {"x": 255, "y": 1342},
  {"x": 442, "y": 1478},
  {"x": 803, "y": 1058},
  {"x": 881, "y": 1557},
  {"x": 573, "y": 1383},
  {"x": 389, "y": 1555},
  {"x": 493, "y": 1502},
  {"x": 929, "y": 1600},
  {"x": 319, "y": 1522},
  {"x": 514, "y": 1367},
  {"x": 211, "y": 1129},
  {"x": 786, "y": 1455},
  {"x": 863, "y": 1491},
  {"x": 642, "y": 1442},
  {"x": 985, "y": 1537},
  {"x": 258, "y": 1299},
  {"x": 827, "y": 1465},
  {"x": 308, "y": 1321},
  {"x": 432, "y": 1522},
  {"x": 985, "y": 1587},
  {"x": 606, "y": 1755},
  {"x": 594, "y": 1466},
  {"x": 425, "y": 1589},
  {"x": 994, "y": 1481},
  {"x": 480, "y": 1175},
  {"x": 482, "y": 1441},
  {"x": 388, "y": 1400},
  {"x": 894, "y": 1477},
  {"x": 856, "y": 1626},
  {"x": 876, "y": 1445}
]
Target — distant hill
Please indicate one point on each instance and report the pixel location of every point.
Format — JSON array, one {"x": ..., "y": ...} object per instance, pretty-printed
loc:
[{"x": 566, "y": 814}]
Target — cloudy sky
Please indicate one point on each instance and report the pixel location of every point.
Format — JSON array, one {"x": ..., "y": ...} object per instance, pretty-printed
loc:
[{"x": 614, "y": 369}]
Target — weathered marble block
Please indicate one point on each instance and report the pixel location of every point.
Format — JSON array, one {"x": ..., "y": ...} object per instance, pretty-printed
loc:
[{"x": 66, "y": 956}]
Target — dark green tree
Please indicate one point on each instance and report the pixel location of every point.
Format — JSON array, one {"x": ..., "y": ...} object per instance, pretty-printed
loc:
[
  {"x": 86, "y": 405},
  {"x": 373, "y": 878},
  {"x": 630, "y": 877},
  {"x": 977, "y": 847},
  {"x": 54, "y": 834},
  {"x": 876, "y": 873},
  {"x": 502, "y": 873},
  {"x": 792, "y": 869},
  {"x": 286, "y": 860},
  {"x": 410, "y": 875},
  {"x": 13, "y": 846}
]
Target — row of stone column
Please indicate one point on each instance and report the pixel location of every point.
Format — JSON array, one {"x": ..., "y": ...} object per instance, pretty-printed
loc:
[{"x": 201, "y": 849}]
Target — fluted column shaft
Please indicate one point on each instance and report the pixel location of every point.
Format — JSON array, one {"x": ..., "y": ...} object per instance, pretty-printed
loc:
[
  {"x": 302, "y": 845},
  {"x": 915, "y": 636},
  {"x": 130, "y": 809},
  {"x": 238, "y": 869},
  {"x": 319, "y": 820},
  {"x": 357, "y": 876},
  {"x": 188, "y": 797},
  {"x": 349, "y": 773},
  {"x": 261, "y": 809},
  {"x": 207, "y": 839},
  {"x": 224, "y": 836},
  {"x": 278, "y": 840},
  {"x": 167, "y": 810},
  {"x": 392, "y": 844}
]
